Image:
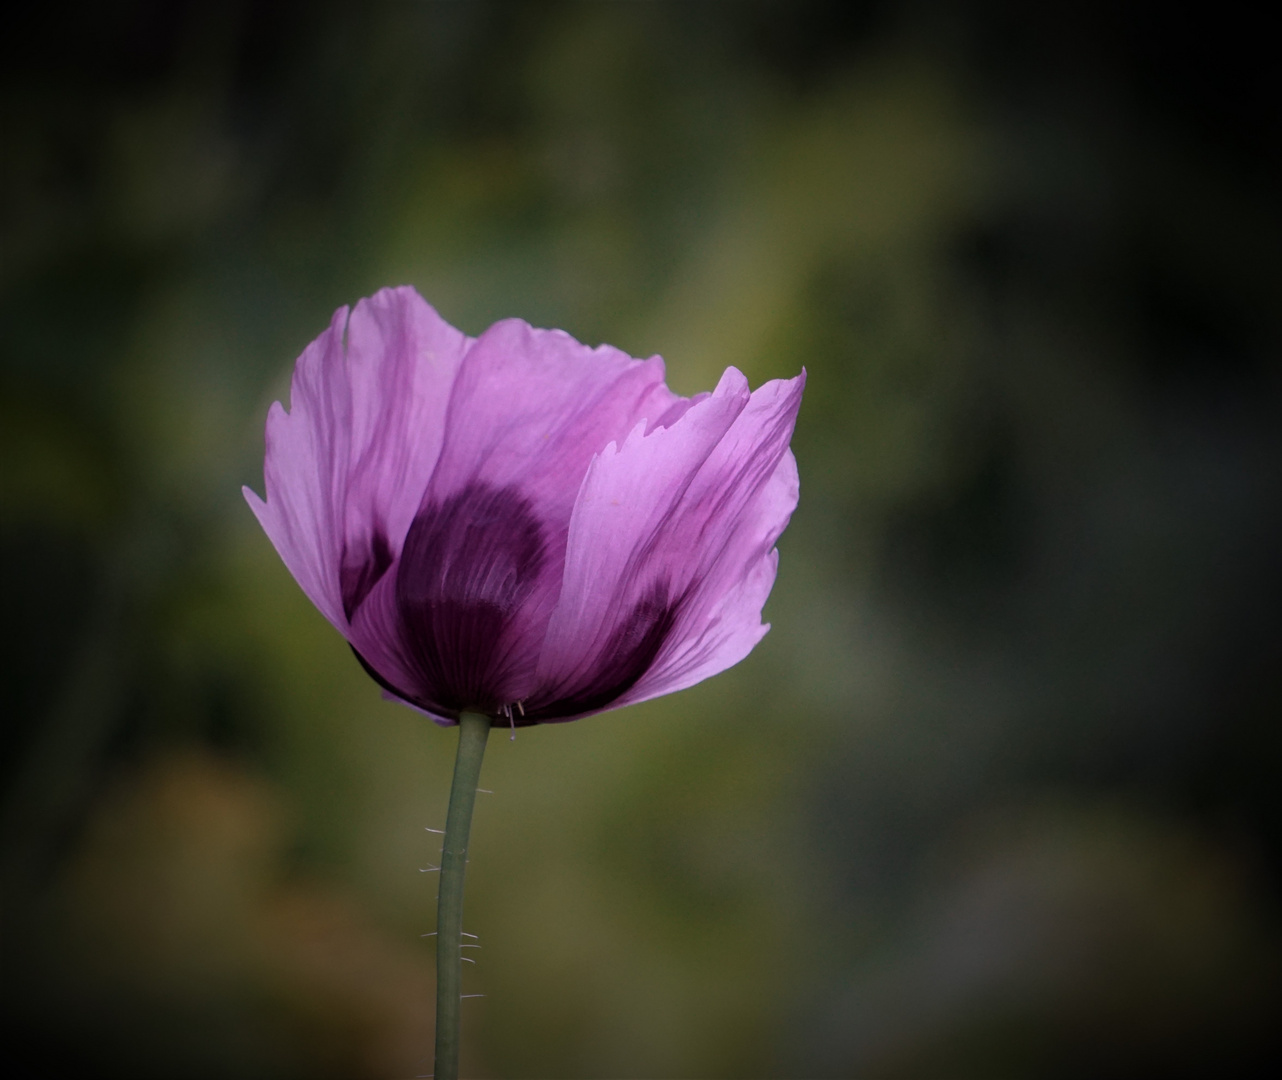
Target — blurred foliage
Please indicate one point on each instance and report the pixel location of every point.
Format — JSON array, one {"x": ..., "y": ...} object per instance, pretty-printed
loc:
[{"x": 998, "y": 795}]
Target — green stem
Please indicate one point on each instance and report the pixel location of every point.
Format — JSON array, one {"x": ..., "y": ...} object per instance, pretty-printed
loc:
[{"x": 473, "y": 730}]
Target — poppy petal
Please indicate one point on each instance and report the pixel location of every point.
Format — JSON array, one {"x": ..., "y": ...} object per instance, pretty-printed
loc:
[{"x": 692, "y": 511}]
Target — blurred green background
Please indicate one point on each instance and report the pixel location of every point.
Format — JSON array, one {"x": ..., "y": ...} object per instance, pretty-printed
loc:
[{"x": 997, "y": 796}]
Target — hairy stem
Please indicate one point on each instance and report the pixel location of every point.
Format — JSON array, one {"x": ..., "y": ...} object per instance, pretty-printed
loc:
[{"x": 473, "y": 730}]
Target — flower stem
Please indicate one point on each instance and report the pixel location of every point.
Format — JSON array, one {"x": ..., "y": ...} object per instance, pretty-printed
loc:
[{"x": 473, "y": 730}]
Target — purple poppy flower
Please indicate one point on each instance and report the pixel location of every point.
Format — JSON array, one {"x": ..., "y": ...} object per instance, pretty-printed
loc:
[{"x": 516, "y": 522}]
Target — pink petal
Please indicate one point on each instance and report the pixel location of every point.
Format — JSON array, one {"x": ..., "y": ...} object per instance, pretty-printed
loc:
[
  {"x": 688, "y": 515},
  {"x": 304, "y": 470},
  {"x": 347, "y": 465},
  {"x": 531, "y": 407},
  {"x": 402, "y": 361},
  {"x": 732, "y": 515},
  {"x": 721, "y": 628},
  {"x": 529, "y": 410}
]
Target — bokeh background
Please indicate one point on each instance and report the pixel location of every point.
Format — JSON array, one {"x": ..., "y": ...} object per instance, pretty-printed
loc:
[{"x": 997, "y": 796}]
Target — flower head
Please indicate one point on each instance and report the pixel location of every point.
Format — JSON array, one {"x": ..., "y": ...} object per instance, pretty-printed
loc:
[{"x": 517, "y": 521}]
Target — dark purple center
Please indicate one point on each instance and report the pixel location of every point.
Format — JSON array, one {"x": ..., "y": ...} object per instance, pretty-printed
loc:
[{"x": 467, "y": 566}]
